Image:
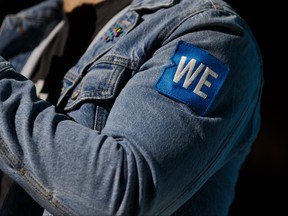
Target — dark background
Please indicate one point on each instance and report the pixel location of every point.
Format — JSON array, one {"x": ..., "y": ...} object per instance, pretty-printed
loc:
[{"x": 262, "y": 186}]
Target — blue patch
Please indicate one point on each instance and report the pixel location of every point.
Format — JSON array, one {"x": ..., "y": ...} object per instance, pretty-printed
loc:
[{"x": 194, "y": 78}]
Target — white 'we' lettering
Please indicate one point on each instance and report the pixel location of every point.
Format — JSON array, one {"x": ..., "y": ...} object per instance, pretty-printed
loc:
[{"x": 193, "y": 74}]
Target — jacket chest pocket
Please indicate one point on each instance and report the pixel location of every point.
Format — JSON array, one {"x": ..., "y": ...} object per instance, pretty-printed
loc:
[{"x": 91, "y": 100}]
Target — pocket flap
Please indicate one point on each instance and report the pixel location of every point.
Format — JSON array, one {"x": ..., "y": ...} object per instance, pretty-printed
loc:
[{"x": 100, "y": 82}]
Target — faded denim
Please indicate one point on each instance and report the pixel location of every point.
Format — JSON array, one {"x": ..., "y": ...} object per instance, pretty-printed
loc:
[{"x": 113, "y": 145}]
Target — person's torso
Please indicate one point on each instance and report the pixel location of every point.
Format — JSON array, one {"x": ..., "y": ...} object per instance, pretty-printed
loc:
[
  {"x": 119, "y": 51},
  {"x": 90, "y": 87}
]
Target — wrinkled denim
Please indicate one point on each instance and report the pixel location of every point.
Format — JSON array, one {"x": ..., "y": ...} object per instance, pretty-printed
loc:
[{"x": 113, "y": 145}]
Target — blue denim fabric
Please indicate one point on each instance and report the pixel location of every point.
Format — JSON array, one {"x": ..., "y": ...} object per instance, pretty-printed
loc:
[
  {"x": 20, "y": 33},
  {"x": 114, "y": 145}
]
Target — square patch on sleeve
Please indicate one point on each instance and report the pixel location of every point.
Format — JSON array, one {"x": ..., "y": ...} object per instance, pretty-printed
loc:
[{"x": 194, "y": 77}]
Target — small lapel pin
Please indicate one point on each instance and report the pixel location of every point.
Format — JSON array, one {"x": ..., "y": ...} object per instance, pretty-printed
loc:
[{"x": 114, "y": 33}]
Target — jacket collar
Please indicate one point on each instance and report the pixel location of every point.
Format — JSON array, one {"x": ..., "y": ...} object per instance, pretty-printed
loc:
[{"x": 151, "y": 4}]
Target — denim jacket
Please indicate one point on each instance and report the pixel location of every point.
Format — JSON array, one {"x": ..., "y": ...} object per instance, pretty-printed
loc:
[{"x": 154, "y": 119}]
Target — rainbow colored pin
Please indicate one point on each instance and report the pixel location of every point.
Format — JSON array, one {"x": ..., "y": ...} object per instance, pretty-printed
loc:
[{"x": 114, "y": 33}]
